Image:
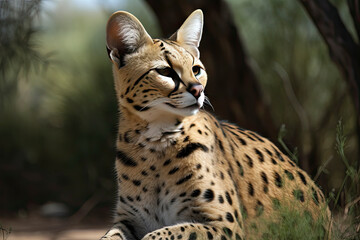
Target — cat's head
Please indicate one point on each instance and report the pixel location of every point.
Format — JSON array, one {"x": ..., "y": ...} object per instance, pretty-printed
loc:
[{"x": 156, "y": 77}]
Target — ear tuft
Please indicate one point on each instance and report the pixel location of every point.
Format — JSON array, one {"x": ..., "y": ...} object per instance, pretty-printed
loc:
[
  {"x": 190, "y": 32},
  {"x": 124, "y": 34}
]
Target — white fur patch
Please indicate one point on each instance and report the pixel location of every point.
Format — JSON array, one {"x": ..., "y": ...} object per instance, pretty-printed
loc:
[
  {"x": 130, "y": 34},
  {"x": 191, "y": 31}
]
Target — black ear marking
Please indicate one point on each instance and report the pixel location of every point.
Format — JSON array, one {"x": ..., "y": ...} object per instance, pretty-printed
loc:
[
  {"x": 120, "y": 59},
  {"x": 108, "y": 51}
]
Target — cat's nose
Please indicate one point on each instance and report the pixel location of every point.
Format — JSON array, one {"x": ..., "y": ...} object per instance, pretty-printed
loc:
[{"x": 195, "y": 90}]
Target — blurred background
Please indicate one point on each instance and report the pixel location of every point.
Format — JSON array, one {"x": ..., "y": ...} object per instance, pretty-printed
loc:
[{"x": 271, "y": 69}]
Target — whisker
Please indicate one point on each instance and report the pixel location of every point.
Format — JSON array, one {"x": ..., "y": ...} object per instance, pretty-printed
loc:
[
  {"x": 207, "y": 101},
  {"x": 153, "y": 103}
]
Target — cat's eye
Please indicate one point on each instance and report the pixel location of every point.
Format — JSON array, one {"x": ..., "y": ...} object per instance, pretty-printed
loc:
[
  {"x": 196, "y": 70},
  {"x": 165, "y": 71}
]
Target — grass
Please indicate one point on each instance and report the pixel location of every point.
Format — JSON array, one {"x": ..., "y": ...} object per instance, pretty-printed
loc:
[{"x": 292, "y": 224}]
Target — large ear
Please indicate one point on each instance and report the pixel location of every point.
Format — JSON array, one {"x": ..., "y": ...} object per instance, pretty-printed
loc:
[
  {"x": 124, "y": 34},
  {"x": 189, "y": 34}
]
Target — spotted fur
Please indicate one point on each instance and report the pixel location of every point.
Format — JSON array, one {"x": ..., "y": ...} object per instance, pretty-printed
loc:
[{"x": 181, "y": 173}]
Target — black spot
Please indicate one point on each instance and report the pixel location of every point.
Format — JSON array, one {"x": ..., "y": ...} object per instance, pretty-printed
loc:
[
  {"x": 126, "y": 137},
  {"x": 221, "y": 146},
  {"x": 144, "y": 173},
  {"x": 209, "y": 235},
  {"x": 130, "y": 198},
  {"x": 209, "y": 195},
  {"x": 174, "y": 170},
  {"x": 140, "y": 108},
  {"x": 125, "y": 160},
  {"x": 199, "y": 131},
  {"x": 145, "y": 189},
  {"x": 148, "y": 90},
  {"x": 167, "y": 162},
  {"x": 182, "y": 229},
  {"x": 273, "y": 161},
  {"x": 278, "y": 154},
  {"x": 192, "y": 125},
  {"x": 125, "y": 177},
  {"x": 183, "y": 194},
  {"x": 289, "y": 175},
  {"x": 302, "y": 177},
  {"x": 255, "y": 136},
  {"x": 227, "y": 232},
  {"x": 228, "y": 198},
  {"x": 136, "y": 182},
  {"x": 152, "y": 167},
  {"x": 268, "y": 152},
  {"x": 291, "y": 163},
  {"x": 127, "y": 90},
  {"x": 260, "y": 155},
  {"x": 223, "y": 237},
  {"x": 198, "y": 166},
  {"x": 221, "y": 199},
  {"x": 147, "y": 210},
  {"x": 266, "y": 189},
  {"x": 241, "y": 169},
  {"x": 264, "y": 178},
  {"x": 299, "y": 195},
  {"x": 192, "y": 236},
  {"x": 190, "y": 148},
  {"x": 249, "y": 161},
  {"x": 242, "y": 141},
  {"x": 237, "y": 237},
  {"x": 195, "y": 193},
  {"x": 278, "y": 180},
  {"x": 222, "y": 175},
  {"x": 251, "y": 189},
  {"x": 129, "y": 100},
  {"x": 184, "y": 179},
  {"x": 229, "y": 217}
]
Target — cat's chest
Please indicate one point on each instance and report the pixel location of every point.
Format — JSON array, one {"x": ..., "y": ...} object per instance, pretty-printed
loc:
[{"x": 150, "y": 194}]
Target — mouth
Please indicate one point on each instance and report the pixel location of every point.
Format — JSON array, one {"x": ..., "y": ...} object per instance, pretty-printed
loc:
[{"x": 195, "y": 105}]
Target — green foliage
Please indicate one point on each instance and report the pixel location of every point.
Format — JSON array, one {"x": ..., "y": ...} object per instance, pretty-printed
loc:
[
  {"x": 18, "y": 45},
  {"x": 291, "y": 224},
  {"x": 347, "y": 227}
]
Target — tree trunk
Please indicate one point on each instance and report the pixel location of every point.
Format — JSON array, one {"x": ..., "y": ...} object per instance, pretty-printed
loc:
[
  {"x": 343, "y": 50},
  {"x": 232, "y": 86}
]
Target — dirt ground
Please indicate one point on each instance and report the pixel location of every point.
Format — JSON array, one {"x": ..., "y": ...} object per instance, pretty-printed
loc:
[{"x": 51, "y": 229}]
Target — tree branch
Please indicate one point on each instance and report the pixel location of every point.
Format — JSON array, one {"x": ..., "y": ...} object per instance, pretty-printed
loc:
[{"x": 342, "y": 47}]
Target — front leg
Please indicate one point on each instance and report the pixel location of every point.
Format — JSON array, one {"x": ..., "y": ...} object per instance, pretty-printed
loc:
[
  {"x": 121, "y": 230},
  {"x": 199, "y": 231}
]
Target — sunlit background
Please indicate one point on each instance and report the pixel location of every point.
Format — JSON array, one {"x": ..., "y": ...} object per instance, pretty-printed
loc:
[{"x": 58, "y": 112}]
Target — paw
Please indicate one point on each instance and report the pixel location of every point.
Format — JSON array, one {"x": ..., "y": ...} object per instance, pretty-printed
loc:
[{"x": 113, "y": 235}]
